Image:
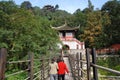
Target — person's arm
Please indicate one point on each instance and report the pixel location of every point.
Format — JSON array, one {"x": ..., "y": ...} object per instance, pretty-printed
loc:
[
  {"x": 49, "y": 67},
  {"x": 66, "y": 69},
  {"x": 57, "y": 66}
]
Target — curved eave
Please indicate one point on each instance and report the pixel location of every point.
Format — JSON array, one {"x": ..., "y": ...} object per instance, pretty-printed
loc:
[{"x": 65, "y": 27}]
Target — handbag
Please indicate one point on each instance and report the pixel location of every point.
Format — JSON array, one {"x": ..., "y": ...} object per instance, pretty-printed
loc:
[{"x": 67, "y": 77}]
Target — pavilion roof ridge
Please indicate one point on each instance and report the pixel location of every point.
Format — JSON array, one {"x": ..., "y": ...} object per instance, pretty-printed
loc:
[{"x": 65, "y": 27}]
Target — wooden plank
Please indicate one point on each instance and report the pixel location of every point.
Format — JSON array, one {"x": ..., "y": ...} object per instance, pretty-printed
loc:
[
  {"x": 3, "y": 53},
  {"x": 30, "y": 66},
  {"x": 88, "y": 64},
  {"x": 95, "y": 73},
  {"x": 81, "y": 64}
]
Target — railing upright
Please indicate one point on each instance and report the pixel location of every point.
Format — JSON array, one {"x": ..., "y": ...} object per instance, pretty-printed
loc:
[
  {"x": 30, "y": 65},
  {"x": 43, "y": 69},
  {"x": 81, "y": 65},
  {"x": 3, "y": 54},
  {"x": 88, "y": 64},
  {"x": 95, "y": 73},
  {"x": 78, "y": 68}
]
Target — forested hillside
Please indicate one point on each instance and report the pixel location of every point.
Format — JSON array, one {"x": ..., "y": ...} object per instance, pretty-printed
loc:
[{"x": 24, "y": 27}]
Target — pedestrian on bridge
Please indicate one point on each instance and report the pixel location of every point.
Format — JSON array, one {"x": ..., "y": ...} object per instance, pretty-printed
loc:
[
  {"x": 53, "y": 70},
  {"x": 62, "y": 70}
]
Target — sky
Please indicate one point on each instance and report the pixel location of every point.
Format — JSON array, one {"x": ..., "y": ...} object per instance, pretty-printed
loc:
[{"x": 68, "y": 5}]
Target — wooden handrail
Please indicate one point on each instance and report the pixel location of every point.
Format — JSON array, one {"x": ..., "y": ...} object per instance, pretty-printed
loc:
[
  {"x": 105, "y": 68},
  {"x": 95, "y": 66}
]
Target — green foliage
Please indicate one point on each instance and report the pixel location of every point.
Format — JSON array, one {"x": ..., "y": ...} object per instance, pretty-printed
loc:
[
  {"x": 20, "y": 76},
  {"x": 8, "y": 6},
  {"x": 58, "y": 17},
  {"x": 37, "y": 11},
  {"x": 110, "y": 62},
  {"x": 22, "y": 31},
  {"x": 93, "y": 28},
  {"x": 26, "y": 5},
  {"x": 102, "y": 41},
  {"x": 113, "y": 30}
]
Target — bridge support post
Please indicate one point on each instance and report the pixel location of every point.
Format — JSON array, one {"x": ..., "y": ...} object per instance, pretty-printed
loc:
[
  {"x": 78, "y": 68},
  {"x": 88, "y": 64},
  {"x": 30, "y": 65},
  {"x": 95, "y": 73},
  {"x": 3, "y": 53},
  {"x": 43, "y": 69},
  {"x": 81, "y": 65}
]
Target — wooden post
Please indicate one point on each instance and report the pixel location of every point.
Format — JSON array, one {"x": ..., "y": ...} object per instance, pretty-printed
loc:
[
  {"x": 78, "y": 68},
  {"x": 30, "y": 65},
  {"x": 41, "y": 73},
  {"x": 3, "y": 53},
  {"x": 95, "y": 73},
  {"x": 48, "y": 66},
  {"x": 88, "y": 64},
  {"x": 81, "y": 64},
  {"x": 42, "y": 69}
]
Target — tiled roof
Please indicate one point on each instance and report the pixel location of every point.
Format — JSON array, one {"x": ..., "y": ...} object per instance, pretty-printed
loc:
[{"x": 65, "y": 27}]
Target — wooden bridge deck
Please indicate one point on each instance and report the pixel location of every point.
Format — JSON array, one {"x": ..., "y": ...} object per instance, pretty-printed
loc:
[{"x": 68, "y": 65}]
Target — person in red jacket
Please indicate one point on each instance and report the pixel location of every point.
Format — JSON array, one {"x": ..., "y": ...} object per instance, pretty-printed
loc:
[{"x": 62, "y": 70}]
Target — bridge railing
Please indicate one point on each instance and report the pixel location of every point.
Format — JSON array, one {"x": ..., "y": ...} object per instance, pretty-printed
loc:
[
  {"x": 31, "y": 69},
  {"x": 76, "y": 62},
  {"x": 87, "y": 68},
  {"x": 93, "y": 67}
]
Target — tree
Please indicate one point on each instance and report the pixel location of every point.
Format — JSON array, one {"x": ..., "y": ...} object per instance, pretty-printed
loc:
[
  {"x": 80, "y": 18},
  {"x": 113, "y": 30},
  {"x": 94, "y": 27},
  {"x": 56, "y": 6},
  {"x": 21, "y": 31},
  {"x": 8, "y": 6},
  {"x": 90, "y": 6},
  {"x": 37, "y": 11},
  {"x": 26, "y": 5},
  {"x": 49, "y": 8}
]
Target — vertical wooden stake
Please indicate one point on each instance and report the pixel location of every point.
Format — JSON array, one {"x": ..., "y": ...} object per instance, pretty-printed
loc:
[
  {"x": 81, "y": 64},
  {"x": 3, "y": 53},
  {"x": 43, "y": 69},
  {"x": 78, "y": 68},
  {"x": 95, "y": 73},
  {"x": 88, "y": 64},
  {"x": 30, "y": 66}
]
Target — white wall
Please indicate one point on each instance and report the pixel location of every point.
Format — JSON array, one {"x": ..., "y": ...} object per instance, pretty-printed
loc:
[{"x": 71, "y": 44}]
